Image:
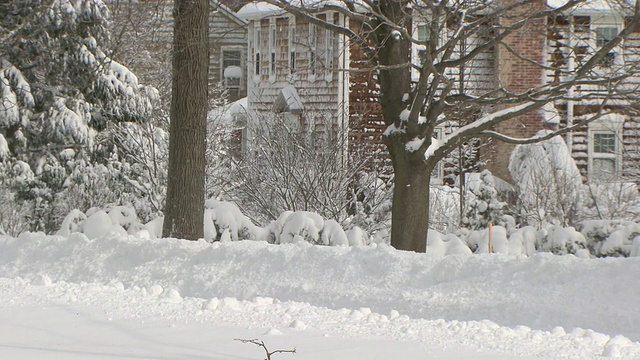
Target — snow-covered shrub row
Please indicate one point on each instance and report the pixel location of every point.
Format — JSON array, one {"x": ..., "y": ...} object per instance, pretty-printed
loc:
[
  {"x": 223, "y": 221},
  {"x": 596, "y": 239},
  {"x": 612, "y": 238}
]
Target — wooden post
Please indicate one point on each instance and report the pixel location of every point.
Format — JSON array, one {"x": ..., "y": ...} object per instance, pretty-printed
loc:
[{"x": 490, "y": 240}]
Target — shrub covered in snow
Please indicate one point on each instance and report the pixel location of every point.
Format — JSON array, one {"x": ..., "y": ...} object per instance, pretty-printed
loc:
[
  {"x": 611, "y": 238},
  {"x": 96, "y": 222},
  {"x": 563, "y": 240},
  {"x": 224, "y": 221},
  {"x": 304, "y": 226},
  {"x": 483, "y": 206},
  {"x": 548, "y": 181}
]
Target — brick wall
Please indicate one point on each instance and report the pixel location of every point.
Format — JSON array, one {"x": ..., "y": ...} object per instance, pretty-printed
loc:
[{"x": 517, "y": 75}]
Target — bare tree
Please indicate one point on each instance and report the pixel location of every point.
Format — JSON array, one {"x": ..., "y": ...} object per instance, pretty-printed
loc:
[
  {"x": 184, "y": 208},
  {"x": 288, "y": 168},
  {"x": 418, "y": 94}
]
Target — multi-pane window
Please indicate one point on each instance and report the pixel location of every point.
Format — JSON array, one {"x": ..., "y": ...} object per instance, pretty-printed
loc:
[
  {"x": 423, "y": 36},
  {"x": 604, "y": 156},
  {"x": 604, "y": 34},
  {"x": 232, "y": 68},
  {"x": 292, "y": 44},
  {"x": 604, "y": 143}
]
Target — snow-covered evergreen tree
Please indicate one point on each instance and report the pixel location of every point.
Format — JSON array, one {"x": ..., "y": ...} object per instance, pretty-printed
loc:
[
  {"x": 59, "y": 89},
  {"x": 483, "y": 207}
]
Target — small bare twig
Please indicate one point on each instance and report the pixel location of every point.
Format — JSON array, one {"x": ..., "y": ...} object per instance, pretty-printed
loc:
[{"x": 262, "y": 345}]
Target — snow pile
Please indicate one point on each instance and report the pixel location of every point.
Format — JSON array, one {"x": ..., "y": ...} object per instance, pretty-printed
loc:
[{"x": 541, "y": 306}]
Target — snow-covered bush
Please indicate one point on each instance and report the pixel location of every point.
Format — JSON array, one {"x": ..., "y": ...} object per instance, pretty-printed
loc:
[
  {"x": 305, "y": 226},
  {"x": 483, "y": 207},
  {"x": 224, "y": 221},
  {"x": 563, "y": 240},
  {"x": 440, "y": 244},
  {"x": 98, "y": 222},
  {"x": 370, "y": 203},
  {"x": 548, "y": 181},
  {"x": 525, "y": 238},
  {"x": 616, "y": 200},
  {"x": 611, "y": 237},
  {"x": 444, "y": 208},
  {"x": 14, "y": 213}
]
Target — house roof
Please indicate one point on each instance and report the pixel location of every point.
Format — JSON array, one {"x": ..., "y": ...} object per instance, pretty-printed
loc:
[
  {"x": 288, "y": 101},
  {"x": 262, "y": 9},
  {"x": 259, "y": 10},
  {"x": 229, "y": 13},
  {"x": 591, "y": 6},
  {"x": 227, "y": 113}
]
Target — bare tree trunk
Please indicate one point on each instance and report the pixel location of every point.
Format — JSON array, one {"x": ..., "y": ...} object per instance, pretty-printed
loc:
[
  {"x": 184, "y": 208},
  {"x": 410, "y": 211}
]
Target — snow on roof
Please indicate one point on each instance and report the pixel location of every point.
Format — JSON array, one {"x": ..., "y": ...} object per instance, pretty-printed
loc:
[
  {"x": 227, "y": 113},
  {"x": 261, "y": 9},
  {"x": 593, "y": 5},
  {"x": 258, "y": 10},
  {"x": 288, "y": 100},
  {"x": 229, "y": 13}
]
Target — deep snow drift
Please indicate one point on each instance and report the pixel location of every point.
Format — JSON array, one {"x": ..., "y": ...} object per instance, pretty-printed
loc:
[{"x": 543, "y": 306}]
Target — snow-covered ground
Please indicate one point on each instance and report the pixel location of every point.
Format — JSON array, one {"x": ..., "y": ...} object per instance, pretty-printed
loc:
[{"x": 120, "y": 297}]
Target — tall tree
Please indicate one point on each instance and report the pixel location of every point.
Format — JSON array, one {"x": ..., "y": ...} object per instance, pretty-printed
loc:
[
  {"x": 420, "y": 93},
  {"x": 184, "y": 208},
  {"x": 60, "y": 94}
]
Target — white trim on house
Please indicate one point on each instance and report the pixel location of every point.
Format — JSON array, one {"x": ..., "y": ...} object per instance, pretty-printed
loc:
[
  {"x": 256, "y": 60},
  {"x": 292, "y": 46},
  {"x": 605, "y": 147},
  {"x": 329, "y": 44},
  {"x": 273, "y": 52},
  {"x": 226, "y": 73},
  {"x": 313, "y": 51}
]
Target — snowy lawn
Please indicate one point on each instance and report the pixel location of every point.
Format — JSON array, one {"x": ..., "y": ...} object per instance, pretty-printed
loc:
[{"x": 120, "y": 297}]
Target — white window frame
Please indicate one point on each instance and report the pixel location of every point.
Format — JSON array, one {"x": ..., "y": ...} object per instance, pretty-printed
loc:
[
  {"x": 616, "y": 51},
  {"x": 437, "y": 175},
  {"x": 329, "y": 43},
  {"x": 416, "y": 59},
  {"x": 292, "y": 45},
  {"x": 611, "y": 124},
  {"x": 313, "y": 51},
  {"x": 257, "y": 44},
  {"x": 272, "y": 50},
  {"x": 228, "y": 49}
]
